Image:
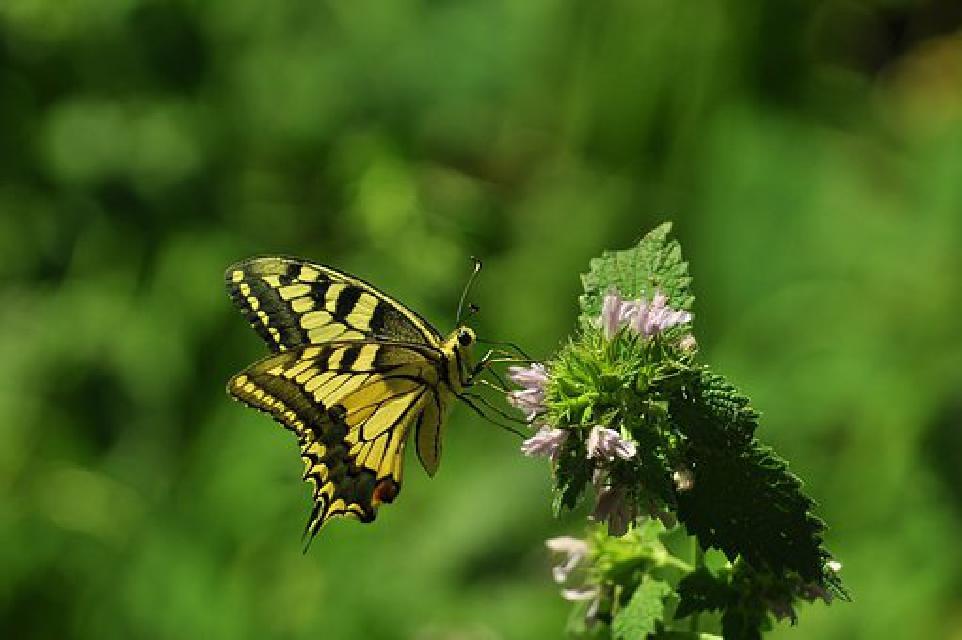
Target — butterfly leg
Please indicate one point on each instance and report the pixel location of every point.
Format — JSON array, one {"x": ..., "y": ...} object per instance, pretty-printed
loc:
[
  {"x": 518, "y": 350},
  {"x": 496, "y": 409},
  {"x": 489, "y": 359},
  {"x": 470, "y": 401}
]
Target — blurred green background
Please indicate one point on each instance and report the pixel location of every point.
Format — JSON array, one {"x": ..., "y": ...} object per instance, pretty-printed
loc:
[{"x": 810, "y": 154}]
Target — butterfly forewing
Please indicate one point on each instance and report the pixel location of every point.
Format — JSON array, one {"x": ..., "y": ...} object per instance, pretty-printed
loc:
[{"x": 291, "y": 302}]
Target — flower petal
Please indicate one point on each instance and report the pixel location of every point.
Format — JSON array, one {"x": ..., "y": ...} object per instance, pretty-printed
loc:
[
  {"x": 580, "y": 595},
  {"x": 607, "y": 444},
  {"x": 547, "y": 442}
]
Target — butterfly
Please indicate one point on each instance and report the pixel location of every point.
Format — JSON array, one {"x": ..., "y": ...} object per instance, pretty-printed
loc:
[{"x": 352, "y": 373}]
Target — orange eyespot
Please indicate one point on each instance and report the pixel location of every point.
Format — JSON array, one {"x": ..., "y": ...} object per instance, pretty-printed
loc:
[{"x": 386, "y": 490}]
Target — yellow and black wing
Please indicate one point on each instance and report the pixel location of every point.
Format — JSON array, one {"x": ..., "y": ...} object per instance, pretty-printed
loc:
[
  {"x": 351, "y": 406},
  {"x": 292, "y": 302}
]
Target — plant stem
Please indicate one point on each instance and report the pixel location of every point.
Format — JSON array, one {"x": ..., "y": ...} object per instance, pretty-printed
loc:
[{"x": 698, "y": 561}]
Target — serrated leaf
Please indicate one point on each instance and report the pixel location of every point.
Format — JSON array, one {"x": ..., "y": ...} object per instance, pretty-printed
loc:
[
  {"x": 572, "y": 474},
  {"x": 711, "y": 412},
  {"x": 644, "y": 611},
  {"x": 746, "y": 502},
  {"x": 701, "y": 590},
  {"x": 655, "y": 264}
]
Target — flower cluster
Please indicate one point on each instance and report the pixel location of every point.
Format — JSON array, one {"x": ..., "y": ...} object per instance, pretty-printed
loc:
[
  {"x": 574, "y": 553},
  {"x": 646, "y": 318},
  {"x": 603, "y": 446},
  {"x": 530, "y": 397}
]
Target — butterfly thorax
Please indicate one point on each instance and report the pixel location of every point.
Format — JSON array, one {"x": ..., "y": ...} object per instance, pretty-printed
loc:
[{"x": 457, "y": 355}]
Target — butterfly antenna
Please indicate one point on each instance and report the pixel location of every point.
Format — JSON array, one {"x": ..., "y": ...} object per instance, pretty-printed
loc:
[{"x": 467, "y": 287}]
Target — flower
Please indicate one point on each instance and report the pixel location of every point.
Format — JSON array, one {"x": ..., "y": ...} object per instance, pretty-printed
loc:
[
  {"x": 528, "y": 400},
  {"x": 683, "y": 478},
  {"x": 608, "y": 444},
  {"x": 650, "y": 318},
  {"x": 574, "y": 549},
  {"x": 613, "y": 314},
  {"x": 534, "y": 376},
  {"x": 580, "y": 595},
  {"x": 781, "y": 608},
  {"x": 641, "y": 316},
  {"x": 614, "y": 508},
  {"x": 688, "y": 343},
  {"x": 584, "y": 594},
  {"x": 813, "y": 591},
  {"x": 532, "y": 380},
  {"x": 547, "y": 442}
]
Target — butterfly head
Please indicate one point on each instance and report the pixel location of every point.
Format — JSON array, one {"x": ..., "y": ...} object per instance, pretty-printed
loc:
[
  {"x": 458, "y": 346},
  {"x": 465, "y": 336}
]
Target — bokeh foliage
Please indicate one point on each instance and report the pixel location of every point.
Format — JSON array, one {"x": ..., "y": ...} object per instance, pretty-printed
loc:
[{"x": 810, "y": 155}]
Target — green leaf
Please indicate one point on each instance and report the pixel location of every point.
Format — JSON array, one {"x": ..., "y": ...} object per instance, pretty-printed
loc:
[
  {"x": 743, "y": 623},
  {"x": 654, "y": 264},
  {"x": 713, "y": 413},
  {"x": 572, "y": 474},
  {"x": 578, "y": 626},
  {"x": 702, "y": 590},
  {"x": 746, "y": 502},
  {"x": 643, "y": 613}
]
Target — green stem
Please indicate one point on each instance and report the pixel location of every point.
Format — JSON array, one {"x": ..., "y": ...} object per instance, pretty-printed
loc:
[
  {"x": 698, "y": 560},
  {"x": 669, "y": 560}
]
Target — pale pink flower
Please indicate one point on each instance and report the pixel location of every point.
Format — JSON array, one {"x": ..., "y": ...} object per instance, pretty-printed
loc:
[
  {"x": 683, "y": 478},
  {"x": 688, "y": 343},
  {"x": 607, "y": 444},
  {"x": 547, "y": 442},
  {"x": 590, "y": 594},
  {"x": 644, "y": 317},
  {"x": 532, "y": 376},
  {"x": 614, "y": 316},
  {"x": 529, "y": 401},
  {"x": 655, "y": 317},
  {"x": 613, "y": 507},
  {"x": 532, "y": 380},
  {"x": 580, "y": 595},
  {"x": 781, "y": 609},
  {"x": 575, "y": 551},
  {"x": 814, "y": 591}
]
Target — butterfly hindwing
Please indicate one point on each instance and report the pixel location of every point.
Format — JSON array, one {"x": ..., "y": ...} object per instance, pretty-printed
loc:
[
  {"x": 291, "y": 302},
  {"x": 351, "y": 406}
]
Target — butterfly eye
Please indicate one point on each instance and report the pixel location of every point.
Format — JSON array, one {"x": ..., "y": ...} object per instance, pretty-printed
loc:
[{"x": 465, "y": 337}]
